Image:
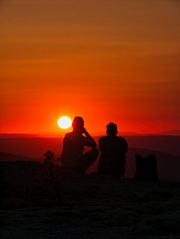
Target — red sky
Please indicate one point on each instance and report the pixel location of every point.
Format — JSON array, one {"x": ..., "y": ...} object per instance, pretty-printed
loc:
[{"x": 104, "y": 60}]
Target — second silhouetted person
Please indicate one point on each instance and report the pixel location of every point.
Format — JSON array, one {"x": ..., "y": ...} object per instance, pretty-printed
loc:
[{"x": 113, "y": 150}]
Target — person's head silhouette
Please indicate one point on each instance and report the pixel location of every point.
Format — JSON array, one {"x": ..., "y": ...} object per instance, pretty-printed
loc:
[
  {"x": 78, "y": 124},
  {"x": 111, "y": 129}
]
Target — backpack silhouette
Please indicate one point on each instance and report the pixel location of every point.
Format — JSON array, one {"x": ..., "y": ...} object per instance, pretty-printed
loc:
[{"x": 146, "y": 168}]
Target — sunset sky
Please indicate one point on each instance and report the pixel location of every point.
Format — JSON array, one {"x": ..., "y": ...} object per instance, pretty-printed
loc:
[{"x": 106, "y": 60}]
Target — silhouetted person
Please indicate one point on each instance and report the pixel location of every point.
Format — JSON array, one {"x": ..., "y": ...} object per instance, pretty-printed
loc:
[
  {"x": 73, "y": 156},
  {"x": 112, "y": 152}
]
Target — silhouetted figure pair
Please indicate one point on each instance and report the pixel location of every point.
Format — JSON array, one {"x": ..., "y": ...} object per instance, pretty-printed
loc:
[
  {"x": 113, "y": 153},
  {"x": 112, "y": 147},
  {"x": 73, "y": 157}
]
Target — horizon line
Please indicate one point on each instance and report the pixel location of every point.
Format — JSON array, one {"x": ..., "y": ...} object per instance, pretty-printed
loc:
[{"x": 61, "y": 134}]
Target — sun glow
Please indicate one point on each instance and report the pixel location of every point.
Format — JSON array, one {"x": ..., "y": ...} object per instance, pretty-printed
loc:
[{"x": 64, "y": 122}]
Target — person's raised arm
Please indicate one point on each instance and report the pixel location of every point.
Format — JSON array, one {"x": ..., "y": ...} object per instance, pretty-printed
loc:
[{"x": 92, "y": 142}]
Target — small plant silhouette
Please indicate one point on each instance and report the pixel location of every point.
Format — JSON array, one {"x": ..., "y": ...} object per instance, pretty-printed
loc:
[{"x": 49, "y": 162}]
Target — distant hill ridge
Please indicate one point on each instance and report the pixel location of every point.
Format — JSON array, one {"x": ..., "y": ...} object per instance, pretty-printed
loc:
[
  {"x": 171, "y": 132},
  {"x": 12, "y": 157},
  {"x": 168, "y": 165},
  {"x": 19, "y": 136}
]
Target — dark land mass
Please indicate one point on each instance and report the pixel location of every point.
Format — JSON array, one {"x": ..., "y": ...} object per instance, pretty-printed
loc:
[
  {"x": 35, "y": 205},
  {"x": 36, "y": 146},
  {"x": 7, "y": 157},
  {"x": 168, "y": 165}
]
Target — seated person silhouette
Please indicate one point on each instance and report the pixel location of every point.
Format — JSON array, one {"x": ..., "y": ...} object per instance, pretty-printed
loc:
[
  {"x": 112, "y": 153},
  {"x": 73, "y": 157}
]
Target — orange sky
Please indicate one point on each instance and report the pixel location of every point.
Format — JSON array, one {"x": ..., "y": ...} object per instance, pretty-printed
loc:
[{"x": 104, "y": 60}]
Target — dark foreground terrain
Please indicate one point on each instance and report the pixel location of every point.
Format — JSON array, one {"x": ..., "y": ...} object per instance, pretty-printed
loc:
[{"x": 34, "y": 205}]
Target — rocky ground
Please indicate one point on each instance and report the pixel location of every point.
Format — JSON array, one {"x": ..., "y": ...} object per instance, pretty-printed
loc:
[{"x": 34, "y": 205}]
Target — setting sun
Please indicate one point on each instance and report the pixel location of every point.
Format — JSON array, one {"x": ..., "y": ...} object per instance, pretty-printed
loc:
[{"x": 64, "y": 122}]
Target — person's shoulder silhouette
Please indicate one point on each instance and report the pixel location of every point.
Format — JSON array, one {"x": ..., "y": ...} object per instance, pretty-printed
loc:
[{"x": 113, "y": 149}]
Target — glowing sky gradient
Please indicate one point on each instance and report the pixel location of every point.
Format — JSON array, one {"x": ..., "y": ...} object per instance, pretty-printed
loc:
[{"x": 106, "y": 60}]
